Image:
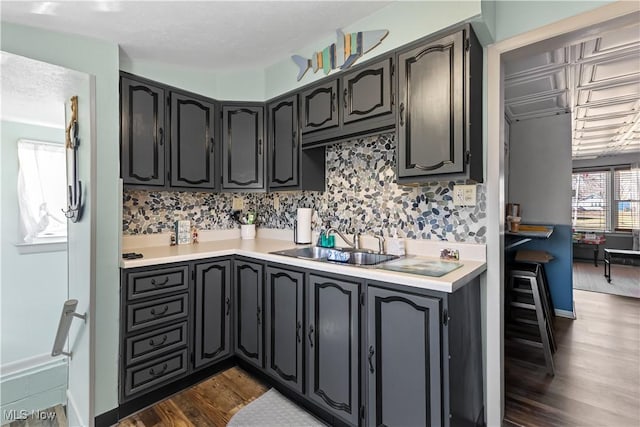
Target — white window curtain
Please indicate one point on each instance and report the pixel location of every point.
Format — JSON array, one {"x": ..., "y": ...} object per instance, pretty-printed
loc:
[{"x": 42, "y": 191}]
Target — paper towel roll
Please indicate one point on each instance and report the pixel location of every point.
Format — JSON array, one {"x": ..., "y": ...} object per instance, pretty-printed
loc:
[{"x": 303, "y": 226}]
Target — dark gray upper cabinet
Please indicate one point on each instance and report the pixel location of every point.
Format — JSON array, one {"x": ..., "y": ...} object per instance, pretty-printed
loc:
[
  {"x": 367, "y": 92},
  {"x": 142, "y": 133},
  {"x": 248, "y": 311},
  {"x": 431, "y": 109},
  {"x": 403, "y": 358},
  {"x": 284, "y": 291},
  {"x": 284, "y": 154},
  {"x": 436, "y": 106},
  {"x": 243, "y": 147},
  {"x": 319, "y": 107},
  {"x": 333, "y": 346},
  {"x": 193, "y": 158},
  {"x": 212, "y": 302}
]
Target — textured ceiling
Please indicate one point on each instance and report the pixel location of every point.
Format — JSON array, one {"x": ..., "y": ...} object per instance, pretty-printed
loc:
[
  {"x": 200, "y": 34},
  {"x": 35, "y": 92},
  {"x": 597, "y": 80}
]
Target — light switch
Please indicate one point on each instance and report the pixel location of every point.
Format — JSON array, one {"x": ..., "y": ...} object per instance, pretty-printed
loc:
[
  {"x": 464, "y": 195},
  {"x": 276, "y": 202}
]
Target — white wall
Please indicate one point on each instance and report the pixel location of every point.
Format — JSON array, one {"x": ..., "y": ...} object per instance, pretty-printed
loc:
[
  {"x": 540, "y": 169},
  {"x": 34, "y": 285}
]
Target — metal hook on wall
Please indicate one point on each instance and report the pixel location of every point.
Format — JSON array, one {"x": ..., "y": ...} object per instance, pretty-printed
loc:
[{"x": 74, "y": 207}]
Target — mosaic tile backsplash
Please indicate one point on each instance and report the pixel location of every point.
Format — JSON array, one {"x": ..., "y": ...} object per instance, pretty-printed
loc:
[{"x": 361, "y": 194}]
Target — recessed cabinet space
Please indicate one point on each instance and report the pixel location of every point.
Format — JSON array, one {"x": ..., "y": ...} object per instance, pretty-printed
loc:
[
  {"x": 248, "y": 278},
  {"x": 243, "y": 147},
  {"x": 142, "y": 133},
  {"x": 439, "y": 114},
  {"x": 290, "y": 168},
  {"x": 284, "y": 332},
  {"x": 333, "y": 347},
  {"x": 167, "y": 137}
]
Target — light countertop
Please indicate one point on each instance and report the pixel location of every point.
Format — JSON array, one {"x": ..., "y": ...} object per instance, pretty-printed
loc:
[{"x": 260, "y": 248}]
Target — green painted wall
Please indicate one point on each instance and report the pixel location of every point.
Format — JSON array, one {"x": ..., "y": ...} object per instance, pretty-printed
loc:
[
  {"x": 100, "y": 59},
  {"x": 406, "y": 21},
  {"x": 517, "y": 17}
]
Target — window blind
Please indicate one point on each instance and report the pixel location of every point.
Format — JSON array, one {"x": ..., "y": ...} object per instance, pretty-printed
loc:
[{"x": 626, "y": 199}]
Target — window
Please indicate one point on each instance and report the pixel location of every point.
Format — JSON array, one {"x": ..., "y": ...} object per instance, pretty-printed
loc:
[
  {"x": 606, "y": 199},
  {"x": 626, "y": 199},
  {"x": 42, "y": 191}
]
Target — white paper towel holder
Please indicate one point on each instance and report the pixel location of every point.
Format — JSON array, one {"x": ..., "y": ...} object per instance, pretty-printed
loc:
[{"x": 295, "y": 234}]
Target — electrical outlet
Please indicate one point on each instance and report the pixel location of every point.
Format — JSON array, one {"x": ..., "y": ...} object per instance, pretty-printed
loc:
[
  {"x": 238, "y": 204},
  {"x": 464, "y": 195},
  {"x": 276, "y": 202}
]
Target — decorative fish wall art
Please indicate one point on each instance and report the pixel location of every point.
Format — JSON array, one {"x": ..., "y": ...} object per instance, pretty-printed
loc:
[{"x": 342, "y": 54}]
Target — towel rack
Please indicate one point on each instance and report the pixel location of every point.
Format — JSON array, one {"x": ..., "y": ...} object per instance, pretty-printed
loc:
[{"x": 68, "y": 313}]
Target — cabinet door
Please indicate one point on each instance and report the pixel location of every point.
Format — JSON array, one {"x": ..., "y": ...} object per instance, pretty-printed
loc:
[
  {"x": 319, "y": 107},
  {"x": 242, "y": 147},
  {"x": 283, "y": 306},
  {"x": 192, "y": 142},
  {"x": 284, "y": 154},
  {"x": 403, "y": 362},
  {"x": 248, "y": 311},
  {"x": 333, "y": 346},
  {"x": 142, "y": 133},
  {"x": 367, "y": 92},
  {"x": 430, "y": 117},
  {"x": 212, "y": 312}
]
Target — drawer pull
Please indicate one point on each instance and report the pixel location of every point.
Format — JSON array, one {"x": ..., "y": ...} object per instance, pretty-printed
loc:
[
  {"x": 160, "y": 313},
  {"x": 164, "y": 282},
  {"x": 402, "y": 114},
  {"x": 157, "y": 374},
  {"x": 228, "y": 302},
  {"x": 311, "y": 336},
  {"x": 298, "y": 327},
  {"x": 156, "y": 344},
  {"x": 259, "y": 315}
]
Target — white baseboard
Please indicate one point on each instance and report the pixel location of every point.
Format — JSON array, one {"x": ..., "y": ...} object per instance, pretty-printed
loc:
[
  {"x": 565, "y": 313},
  {"x": 73, "y": 414}
]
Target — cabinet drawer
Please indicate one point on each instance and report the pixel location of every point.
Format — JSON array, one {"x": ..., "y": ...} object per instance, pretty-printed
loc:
[
  {"x": 154, "y": 373},
  {"x": 145, "y": 346},
  {"x": 151, "y": 313},
  {"x": 143, "y": 284}
]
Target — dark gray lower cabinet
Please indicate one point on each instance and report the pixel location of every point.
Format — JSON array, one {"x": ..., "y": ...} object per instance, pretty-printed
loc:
[
  {"x": 248, "y": 311},
  {"x": 403, "y": 359},
  {"x": 333, "y": 346},
  {"x": 284, "y": 291},
  {"x": 212, "y": 303}
]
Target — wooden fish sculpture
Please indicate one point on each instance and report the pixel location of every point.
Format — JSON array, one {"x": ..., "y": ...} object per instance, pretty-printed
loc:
[{"x": 342, "y": 54}]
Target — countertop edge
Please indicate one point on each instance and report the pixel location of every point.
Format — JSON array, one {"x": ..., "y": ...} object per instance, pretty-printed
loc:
[{"x": 448, "y": 283}]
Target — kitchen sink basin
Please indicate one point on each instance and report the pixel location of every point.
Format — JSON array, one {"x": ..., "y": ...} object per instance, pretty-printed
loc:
[{"x": 343, "y": 256}]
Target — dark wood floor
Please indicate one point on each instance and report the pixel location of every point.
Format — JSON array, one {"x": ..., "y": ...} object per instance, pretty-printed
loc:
[
  {"x": 597, "y": 380},
  {"x": 211, "y": 403}
]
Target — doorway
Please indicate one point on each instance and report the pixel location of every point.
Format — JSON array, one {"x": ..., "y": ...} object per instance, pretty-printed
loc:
[
  {"x": 46, "y": 259},
  {"x": 572, "y": 27}
]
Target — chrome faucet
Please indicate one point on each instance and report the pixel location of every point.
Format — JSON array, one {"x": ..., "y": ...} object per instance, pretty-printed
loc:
[
  {"x": 355, "y": 244},
  {"x": 380, "y": 243}
]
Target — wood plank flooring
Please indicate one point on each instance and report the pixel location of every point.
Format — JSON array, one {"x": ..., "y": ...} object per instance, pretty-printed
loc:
[
  {"x": 211, "y": 403},
  {"x": 597, "y": 381}
]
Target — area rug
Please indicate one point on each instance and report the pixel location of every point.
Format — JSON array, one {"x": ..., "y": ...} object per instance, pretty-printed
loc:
[
  {"x": 273, "y": 409},
  {"x": 625, "y": 279}
]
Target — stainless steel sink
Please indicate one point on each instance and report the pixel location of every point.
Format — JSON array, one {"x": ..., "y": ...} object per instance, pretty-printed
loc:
[
  {"x": 342, "y": 256},
  {"x": 368, "y": 258}
]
